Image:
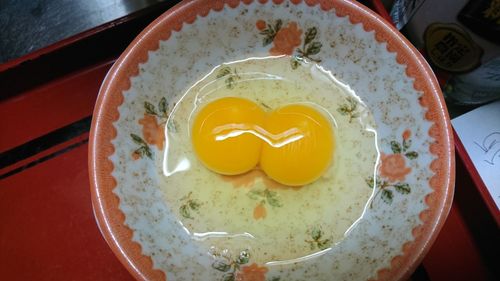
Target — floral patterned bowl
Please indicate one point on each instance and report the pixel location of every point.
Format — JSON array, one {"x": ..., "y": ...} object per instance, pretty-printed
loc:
[{"x": 414, "y": 183}]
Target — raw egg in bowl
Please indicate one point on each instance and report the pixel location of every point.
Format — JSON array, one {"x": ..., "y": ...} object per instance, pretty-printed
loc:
[{"x": 270, "y": 140}]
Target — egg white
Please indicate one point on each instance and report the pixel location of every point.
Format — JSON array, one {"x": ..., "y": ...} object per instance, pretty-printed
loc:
[{"x": 224, "y": 218}]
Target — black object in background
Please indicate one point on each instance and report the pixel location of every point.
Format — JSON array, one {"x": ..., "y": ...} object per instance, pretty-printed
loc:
[
  {"x": 483, "y": 18},
  {"x": 29, "y": 25}
]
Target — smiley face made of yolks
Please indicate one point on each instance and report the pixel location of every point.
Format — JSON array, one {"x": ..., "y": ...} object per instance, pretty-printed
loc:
[{"x": 293, "y": 145}]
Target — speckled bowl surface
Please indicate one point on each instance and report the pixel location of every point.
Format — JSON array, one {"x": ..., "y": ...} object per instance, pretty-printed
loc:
[{"x": 415, "y": 175}]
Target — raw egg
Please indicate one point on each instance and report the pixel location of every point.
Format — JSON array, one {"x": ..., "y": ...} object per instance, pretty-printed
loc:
[
  {"x": 300, "y": 147},
  {"x": 252, "y": 121},
  {"x": 294, "y": 144},
  {"x": 222, "y": 135}
]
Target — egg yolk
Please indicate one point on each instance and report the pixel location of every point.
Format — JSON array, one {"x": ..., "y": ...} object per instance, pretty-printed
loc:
[
  {"x": 223, "y": 138},
  {"x": 294, "y": 144},
  {"x": 300, "y": 146}
]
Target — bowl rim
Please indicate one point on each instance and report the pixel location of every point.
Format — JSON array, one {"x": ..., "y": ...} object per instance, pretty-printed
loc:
[{"x": 109, "y": 217}]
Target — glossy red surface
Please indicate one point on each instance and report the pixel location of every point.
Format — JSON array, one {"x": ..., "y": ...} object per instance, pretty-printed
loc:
[
  {"x": 454, "y": 255},
  {"x": 50, "y": 106},
  {"x": 47, "y": 229},
  {"x": 476, "y": 178}
]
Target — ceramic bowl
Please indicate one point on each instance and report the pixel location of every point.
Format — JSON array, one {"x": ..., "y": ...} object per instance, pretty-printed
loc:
[{"x": 415, "y": 176}]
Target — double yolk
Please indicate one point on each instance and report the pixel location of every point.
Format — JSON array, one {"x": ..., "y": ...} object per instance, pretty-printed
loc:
[{"x": 293, "y": 145}]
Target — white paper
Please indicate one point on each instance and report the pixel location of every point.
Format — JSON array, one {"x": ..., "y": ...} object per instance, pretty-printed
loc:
[{"x": 479, "y": 132}]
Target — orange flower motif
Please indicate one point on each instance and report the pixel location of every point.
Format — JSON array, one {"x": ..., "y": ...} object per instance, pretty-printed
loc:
[
  {"x": 259, "y": 212},
  {"x": 260, "y": 24},
  {"x": 244, "y": 180},
  {"x": 394, "y": 167},
  {"x": 153, "y": 132},
  {"x": 252, "y": 272},
  {"x": 406, "y": 134},
  {"x": 135, "y": 155},
  {"x": 286, "y": 40},
  {"x": 248, "y": 180}
]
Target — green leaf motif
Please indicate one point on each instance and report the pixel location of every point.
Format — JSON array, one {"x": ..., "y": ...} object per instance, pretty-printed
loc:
[
  {"x": 266, "y": 196},
  {"x": 353, "y": 103},
  {"x": 172, "y": 126},
  {"x": 243, "y": 258},
  {"x": 387, "y": 196},
  {"x": 229, "y": 276},
  {"x": 265, "y": 32},
  {"x": 275, "y": 278},
  {"x": 223, "y": 72},
  {"x": 310, "y": 47},
  {"x": 295, "y": 62},
  {"x": 277, "y": 25},
  {"x": 186, "y": 197},
  {"x": 406, "y": 144},
  {"x": 144, "y": 149},
  {"x": 138, "y": 140},
  {"x": 370, "y": 182},
  {"x": 395, "y": 147},
  {"x": 267, "y": 40},
  {"x": 184, "y": 210},
  {"x": 314, "y": 48},
  {"x": 150, "y": 108},
  {"x": 231, "y": 77},
  {"x": 324, "y": 244},
  {"x": 188, "y": 206},
  {"x": 147, "y": 151},
  {"x": 255, "y": 194},
  {"x": 411, "y": 155},
  {"x": 221, "y": 266},
  {"x": 230, "y": 82},
  {"x": 270, "y": 32},
  {"x": 316, "y": 234},
  {"x": 343, "y": 109},
  {"x": 310, "y": 35},
  {"x": 224, "y": 263},
  {"x": 194, "y": 205},
  {"x": 317, "y": 239},
  {"x": 162, "y": 105},
  {"x": 272, "y": 198},
  {"x": 349, "y": 108},
  {"x": 402, "y": 188}
]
